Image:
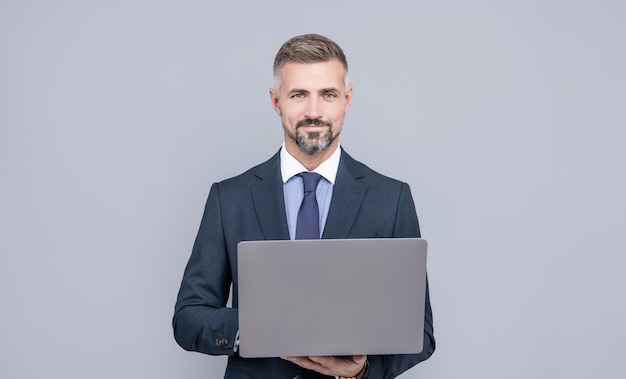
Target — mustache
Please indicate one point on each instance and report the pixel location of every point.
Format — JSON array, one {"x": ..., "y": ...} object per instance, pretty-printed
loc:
[{"x": 310, "y": 121}]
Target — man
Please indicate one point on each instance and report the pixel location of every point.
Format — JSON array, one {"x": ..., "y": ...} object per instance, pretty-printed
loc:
[{"x": 311, "y": 94}]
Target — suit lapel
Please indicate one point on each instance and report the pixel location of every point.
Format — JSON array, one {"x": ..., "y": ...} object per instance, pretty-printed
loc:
[
  {"x": 348, "y": 195},
  {"x": 268, "y": 199}
]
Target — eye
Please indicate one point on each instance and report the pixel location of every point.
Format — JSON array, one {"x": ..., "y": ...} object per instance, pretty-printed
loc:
[
  {"x": 330, "y": 95},
  {"x": 297, "y": 95}
]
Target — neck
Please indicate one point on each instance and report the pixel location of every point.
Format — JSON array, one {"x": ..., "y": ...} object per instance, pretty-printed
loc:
[{"x": 310, "y": 161}]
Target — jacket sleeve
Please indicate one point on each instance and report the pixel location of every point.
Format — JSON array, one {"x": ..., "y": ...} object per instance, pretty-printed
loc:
[
  {"x": 390, "y": 366},
  {"x": 202, "y": 322}
]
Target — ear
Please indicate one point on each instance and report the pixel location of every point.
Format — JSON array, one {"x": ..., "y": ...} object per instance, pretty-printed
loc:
[
  {"x": 275, "y": 101},
  {"x": 348, "y": 97}
]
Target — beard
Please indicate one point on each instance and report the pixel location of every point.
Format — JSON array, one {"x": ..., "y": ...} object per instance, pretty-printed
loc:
[{"x": 313, "y": 142}]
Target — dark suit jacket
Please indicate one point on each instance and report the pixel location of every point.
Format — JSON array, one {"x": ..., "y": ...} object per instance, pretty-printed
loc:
[{"x": 250, "y": 207}]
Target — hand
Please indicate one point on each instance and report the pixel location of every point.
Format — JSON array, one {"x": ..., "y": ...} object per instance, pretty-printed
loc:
[{"x": 347, "y": 366}]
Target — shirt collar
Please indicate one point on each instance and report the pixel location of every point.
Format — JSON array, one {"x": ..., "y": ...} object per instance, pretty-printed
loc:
[{"x": 289, "y": 166}]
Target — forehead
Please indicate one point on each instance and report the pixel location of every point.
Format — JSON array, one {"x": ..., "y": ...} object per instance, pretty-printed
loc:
[{"x": 329, "y": 74}]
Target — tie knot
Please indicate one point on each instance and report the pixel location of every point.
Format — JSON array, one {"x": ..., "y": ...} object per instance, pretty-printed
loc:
[{"x": 310, "y": 180}]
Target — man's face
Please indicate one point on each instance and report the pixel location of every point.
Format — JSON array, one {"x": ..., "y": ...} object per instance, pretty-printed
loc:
[{"x": 312, "y": 102}]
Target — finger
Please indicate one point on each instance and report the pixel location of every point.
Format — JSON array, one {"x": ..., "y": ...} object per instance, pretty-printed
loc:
[
  {"x": 297, "y": 360},
  {"x": 344, "y": 365},
  {"x": 360, "y": 359},
  {"x": 307, "y": 363},
  {"x": 334, "y": 360}
]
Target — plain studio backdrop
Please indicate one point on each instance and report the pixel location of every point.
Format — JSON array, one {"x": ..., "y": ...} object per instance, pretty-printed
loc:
[{"x": 507, "y": 118}]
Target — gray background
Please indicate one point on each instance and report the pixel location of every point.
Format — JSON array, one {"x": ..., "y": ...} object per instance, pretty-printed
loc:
[{"x": 505, "y": 117}]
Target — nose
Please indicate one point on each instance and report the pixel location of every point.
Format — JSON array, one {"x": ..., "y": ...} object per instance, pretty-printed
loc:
[{"x": 313, "y": 108}]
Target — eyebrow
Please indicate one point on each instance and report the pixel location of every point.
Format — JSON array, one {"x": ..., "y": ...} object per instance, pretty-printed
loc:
[
  {"x": 297, "y": 90},
  {"x": 323, "y": 90}
]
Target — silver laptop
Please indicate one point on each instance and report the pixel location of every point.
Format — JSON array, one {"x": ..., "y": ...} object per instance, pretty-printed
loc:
[{"x": 331, "y": 297}]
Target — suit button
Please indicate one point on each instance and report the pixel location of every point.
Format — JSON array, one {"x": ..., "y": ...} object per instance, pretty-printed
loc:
[{"x": 221, "y": 342}]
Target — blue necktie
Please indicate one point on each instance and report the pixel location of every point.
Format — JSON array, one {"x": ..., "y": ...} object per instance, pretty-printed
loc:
[{"x": 308, "y": 226}]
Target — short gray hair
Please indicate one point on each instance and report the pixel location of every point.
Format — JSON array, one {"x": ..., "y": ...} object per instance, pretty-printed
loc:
[{"x": 308, "y": 48}]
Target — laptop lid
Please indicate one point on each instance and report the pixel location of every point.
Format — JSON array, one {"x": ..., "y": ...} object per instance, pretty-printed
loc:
[{"x": 331, "y": 297}]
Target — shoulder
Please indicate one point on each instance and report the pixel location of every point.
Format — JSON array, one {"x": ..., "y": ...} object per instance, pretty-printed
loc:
[
  {"x": 260, "y": 172},
  {"x": 364, "y": 174}
]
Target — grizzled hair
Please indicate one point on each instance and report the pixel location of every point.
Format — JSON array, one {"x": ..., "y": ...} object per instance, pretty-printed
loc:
[{"x": 308, "y": 48}]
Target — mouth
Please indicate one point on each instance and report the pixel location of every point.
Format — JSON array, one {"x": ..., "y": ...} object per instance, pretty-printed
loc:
[
  {"x": 316, "y": 124},
  {"x": 313, "y": 127}
]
